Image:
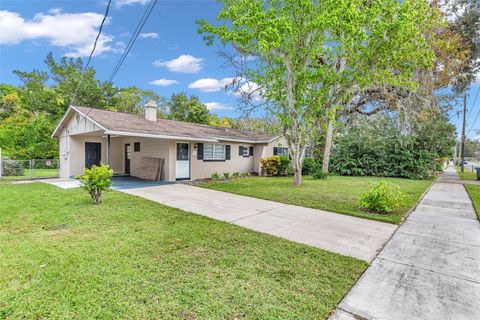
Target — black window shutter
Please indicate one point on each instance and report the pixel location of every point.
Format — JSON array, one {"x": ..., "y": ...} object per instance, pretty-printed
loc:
[
  {"x": 227, "y": 152},
  {"x": 200, "y": 151},
  {"x": 275, "y": 151},
  {"x": 250, "y": 151},
  {"x": 240, "y": 151},
  {"x": 136, "y": 147}
]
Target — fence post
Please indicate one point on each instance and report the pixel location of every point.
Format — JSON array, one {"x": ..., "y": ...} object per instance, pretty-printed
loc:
[{"x": 31, "y": 169}]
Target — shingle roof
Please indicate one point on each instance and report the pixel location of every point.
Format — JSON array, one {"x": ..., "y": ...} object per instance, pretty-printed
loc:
[{"x": 125, "y": 122}]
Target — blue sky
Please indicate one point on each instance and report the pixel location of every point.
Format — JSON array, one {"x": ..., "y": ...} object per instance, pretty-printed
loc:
[
  {"x": 169, "y": 52},
  {"x": 169, "y": 56}
]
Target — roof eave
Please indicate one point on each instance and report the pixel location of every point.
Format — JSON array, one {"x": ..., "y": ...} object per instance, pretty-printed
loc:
[
  {"x": 70, "y": 108},
  {"x": 158, "y": 136}
]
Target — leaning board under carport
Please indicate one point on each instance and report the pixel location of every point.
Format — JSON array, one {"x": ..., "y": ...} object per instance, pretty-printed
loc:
[{"x": 151, "y": 169}]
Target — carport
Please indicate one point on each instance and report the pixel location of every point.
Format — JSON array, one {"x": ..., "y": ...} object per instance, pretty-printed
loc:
[
  {"x": 129, "y": 182},
  {"x": 118, "y": 183}
]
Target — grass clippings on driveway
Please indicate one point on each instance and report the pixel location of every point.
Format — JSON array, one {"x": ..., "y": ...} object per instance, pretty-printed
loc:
[
  {"x": 129, "y": 258},
  {"x": 336, "y": 193}
]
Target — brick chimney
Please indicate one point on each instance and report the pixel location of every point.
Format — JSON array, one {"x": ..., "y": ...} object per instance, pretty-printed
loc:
[{"x": 151, "y": 111}]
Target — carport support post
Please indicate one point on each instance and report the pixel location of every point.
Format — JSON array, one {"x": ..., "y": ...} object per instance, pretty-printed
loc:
[{"x": 108, "y": 149}]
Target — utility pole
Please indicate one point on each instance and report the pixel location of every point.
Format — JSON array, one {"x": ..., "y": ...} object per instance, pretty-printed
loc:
[{"x": 462, "y": 148}]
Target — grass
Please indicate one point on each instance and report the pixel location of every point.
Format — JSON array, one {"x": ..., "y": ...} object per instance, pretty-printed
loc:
[
  {"x": 62, "y": 257},
  {"x": 34, "y": 174},
  {"x": 474, "y": 192},
  {"x": 336, "y": 193},
  {"x": 467, "y": 173}
]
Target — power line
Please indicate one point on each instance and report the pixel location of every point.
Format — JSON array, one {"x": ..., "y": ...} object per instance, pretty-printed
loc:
[
  {"x": 90, "y": 59},
  {"x": 134, "y": 37},
  {"x": 131, "y": 42},
  {"x": 93, "y": 49},
  {"x": 478, "y": 113}
]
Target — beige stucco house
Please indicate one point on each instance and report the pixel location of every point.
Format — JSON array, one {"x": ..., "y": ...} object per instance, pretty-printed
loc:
[{"x": 191, "y": 151}]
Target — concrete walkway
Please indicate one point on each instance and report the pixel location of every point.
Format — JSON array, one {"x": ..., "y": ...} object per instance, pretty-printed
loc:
[
  {"x": 334, "y": 232},
  {"x": 430, "y": 269}
]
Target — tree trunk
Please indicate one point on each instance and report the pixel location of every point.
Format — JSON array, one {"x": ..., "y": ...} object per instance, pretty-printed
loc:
[
  {"x": 297, "y": 177},
  {"x": 328, "y": 145},
  {"x": 297, "y": 162}
]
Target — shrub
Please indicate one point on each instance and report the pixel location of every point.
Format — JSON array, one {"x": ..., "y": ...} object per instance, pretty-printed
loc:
[
  {"x": 97, "y": 180},
  {"x": 226, "y": 175},
  {"x": 309, "y": 166},
  {"x": 383, "y": 148},
  {"x": 382, "y": 197},
  {"x": 236, "y": 174},
  {"x": 244, "y": 174},
  {"x": 12, "y": 168},
  {"x": 215, "y": 176},
  {"x": 271, "y": 165},
  {"x": 319, "y": 174},
  {"x": 285, "y": 163}
]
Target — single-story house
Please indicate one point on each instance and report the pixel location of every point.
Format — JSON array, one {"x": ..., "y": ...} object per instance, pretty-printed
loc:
[{"x": 88, "y": 136}]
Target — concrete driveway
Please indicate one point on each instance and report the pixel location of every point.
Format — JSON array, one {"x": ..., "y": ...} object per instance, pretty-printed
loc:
[
  {"x": 334, "y": 232},
  {"x": 430, "y": 269}
]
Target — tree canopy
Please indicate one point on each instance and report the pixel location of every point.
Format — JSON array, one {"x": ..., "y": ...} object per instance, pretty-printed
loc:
[
  {"x": 190, "y": 109},
  {"x": 312, "y": 56}
]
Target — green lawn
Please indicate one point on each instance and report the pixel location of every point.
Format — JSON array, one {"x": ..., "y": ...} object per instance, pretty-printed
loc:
[
  {"x": 467, "y": 173},
  {"x": 34, "y": 174},
  {"x": 336, "y": 193},
  {"x": 474, "y": 192},
  {"x": 63, "y": 258}
]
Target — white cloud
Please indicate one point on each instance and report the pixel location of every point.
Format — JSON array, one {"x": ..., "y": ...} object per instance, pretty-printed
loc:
[
  {"x": 163, "y": 82},
  {"x": 184, "y": 64},
  {"x": 249, "y": 90},
  {"x": 217, "y": 106},
  {"x": 149, "y": 35},
  {"x": 75, "y": 32},
  {"x": 211, "y": 85},
  {"x": 121, "y": 3}
]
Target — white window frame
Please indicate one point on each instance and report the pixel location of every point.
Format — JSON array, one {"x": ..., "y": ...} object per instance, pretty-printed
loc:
[
  {"x": 246, "y": 151},
  {"x": 213, "y": 155}
]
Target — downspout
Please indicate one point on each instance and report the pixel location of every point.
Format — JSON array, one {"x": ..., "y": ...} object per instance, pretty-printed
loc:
[{"x": 108, "y": 150}]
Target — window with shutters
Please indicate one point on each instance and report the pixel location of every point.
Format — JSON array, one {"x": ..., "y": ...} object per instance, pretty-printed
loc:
[
  {"x": 245, "y": 151},
  {"x": 280, "y": 151},
  {"x": 213, "y": 151}
]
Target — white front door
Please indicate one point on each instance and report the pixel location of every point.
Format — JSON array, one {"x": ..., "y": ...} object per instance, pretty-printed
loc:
[{"x": 182, "y": 164}]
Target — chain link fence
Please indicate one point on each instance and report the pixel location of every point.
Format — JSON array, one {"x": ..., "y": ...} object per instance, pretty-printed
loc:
[{"x": 28, "y": 169}]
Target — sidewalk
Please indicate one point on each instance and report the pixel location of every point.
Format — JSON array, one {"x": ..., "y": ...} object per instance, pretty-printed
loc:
[{"x": 430, "y": 269}]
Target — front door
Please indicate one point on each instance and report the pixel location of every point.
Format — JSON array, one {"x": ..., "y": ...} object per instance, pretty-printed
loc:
[
  {"x": 127, "y": 158},
  {"x": 182, "y": 164},
  {"x": 93, "y": 154}
]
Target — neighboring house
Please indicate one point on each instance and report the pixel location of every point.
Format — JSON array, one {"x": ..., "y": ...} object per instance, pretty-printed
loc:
[{"x": 191, "y": 151}]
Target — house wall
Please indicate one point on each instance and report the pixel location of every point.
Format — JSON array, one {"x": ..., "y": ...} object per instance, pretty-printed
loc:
[
  {"x": 266, "y": 150},
  {"x": 157, "y": 148},
  {"x": 149, "y": 147},
  {"x": 77, "y": 152},
  {"x": 63, "y": 160},
  {"x": 201, "y": 169},
  {"x": 73, "y": 135}
]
